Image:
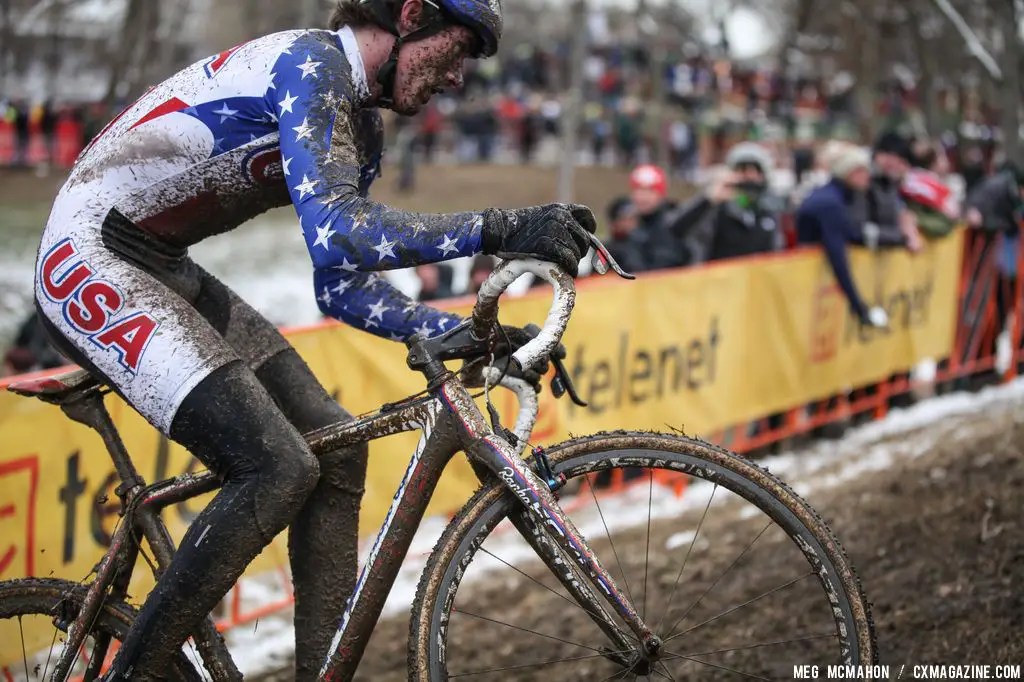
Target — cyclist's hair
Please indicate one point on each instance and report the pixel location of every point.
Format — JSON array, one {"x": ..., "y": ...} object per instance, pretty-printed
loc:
[{"x": 356, "y": 14}]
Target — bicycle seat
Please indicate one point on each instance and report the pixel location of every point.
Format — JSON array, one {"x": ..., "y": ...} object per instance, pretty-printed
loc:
[{"x": 56, "y": 388}]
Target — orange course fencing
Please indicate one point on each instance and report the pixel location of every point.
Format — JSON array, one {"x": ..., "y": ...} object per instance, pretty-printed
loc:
[{"x": 749, "y": 353}]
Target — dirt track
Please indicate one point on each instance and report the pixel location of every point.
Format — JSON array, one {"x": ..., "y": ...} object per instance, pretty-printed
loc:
[{"x": 937, "y": 538}]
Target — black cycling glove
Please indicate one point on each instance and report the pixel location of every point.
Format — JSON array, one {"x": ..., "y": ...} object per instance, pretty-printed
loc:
[{"x": 556, "y": 233}]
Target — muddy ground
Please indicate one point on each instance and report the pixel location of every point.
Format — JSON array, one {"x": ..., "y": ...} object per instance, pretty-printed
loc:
[{"x": 937, "y": 537}]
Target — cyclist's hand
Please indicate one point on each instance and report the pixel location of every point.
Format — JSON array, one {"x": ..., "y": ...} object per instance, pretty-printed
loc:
[
  {"x": 556, "y": 233},
  {"x": 517, "y": 338}
]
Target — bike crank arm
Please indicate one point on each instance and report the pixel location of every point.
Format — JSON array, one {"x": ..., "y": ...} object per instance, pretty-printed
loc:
[{"x": 538, "y": 500}]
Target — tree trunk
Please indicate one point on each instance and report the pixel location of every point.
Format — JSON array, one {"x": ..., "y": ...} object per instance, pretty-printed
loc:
[
  {"x": 1009, "y": 117},
  {"x": 121, "y": 50},
  {"x": 927, "y": 96},
  {"x": 574, "y": 106},
  {"x": 6, "y": 42}
]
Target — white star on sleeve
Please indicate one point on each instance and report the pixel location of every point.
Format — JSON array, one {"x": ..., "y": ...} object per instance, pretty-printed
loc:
[
  {"x": 378, "y": 309},
  {"x": 309, "y": 68},
  {"x": 411, "y": 307},
  {"x": 325, "y": 297},
  {"x": 285, "y": 163},
  {"x": 343, "y": 285},
  {"x": 369, "y": 322},
  {"x": 385, "y": 249},
  {"x": 322, "y": 235},
  {"x": 448, "y": 245},
  {"x": 424, "y": 330},
  {"x": 304, "y": 130},
  {"x": 226, "y": 112},
  {"x": 272, "y": 86},
  {"x": 306, "y": 187},
  {"x": 395, "y": 337},
  {"x": 287, "y": 102},
  {"x": 346, "y": 266}
]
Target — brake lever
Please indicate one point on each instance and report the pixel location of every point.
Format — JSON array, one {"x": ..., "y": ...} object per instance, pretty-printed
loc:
[
  {"x": 603, "y": 260},
  {"x": 562, "y": 383}
]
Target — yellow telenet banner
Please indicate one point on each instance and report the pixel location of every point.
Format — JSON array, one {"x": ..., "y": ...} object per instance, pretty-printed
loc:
[{"x": 700, "y": 349}]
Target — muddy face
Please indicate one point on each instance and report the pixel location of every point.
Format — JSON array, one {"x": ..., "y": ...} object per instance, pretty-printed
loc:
[{"x": 428, "y": 66}]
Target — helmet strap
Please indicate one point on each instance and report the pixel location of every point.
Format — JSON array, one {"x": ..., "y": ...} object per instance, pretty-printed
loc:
[{"x": 388, "y": 71}]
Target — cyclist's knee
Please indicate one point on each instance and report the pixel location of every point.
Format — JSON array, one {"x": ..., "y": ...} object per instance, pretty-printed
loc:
[{"x": 283, "y": 488}]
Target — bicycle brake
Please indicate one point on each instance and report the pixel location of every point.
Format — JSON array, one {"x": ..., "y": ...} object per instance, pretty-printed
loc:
[
  {"x": 603, "y": 260},
  {"x": 562, "y": 383}
]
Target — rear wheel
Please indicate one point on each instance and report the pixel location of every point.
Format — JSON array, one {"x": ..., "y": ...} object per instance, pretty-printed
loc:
[
  {"x": 732, "y": 569},
  {"x": 34, "y": 617}
]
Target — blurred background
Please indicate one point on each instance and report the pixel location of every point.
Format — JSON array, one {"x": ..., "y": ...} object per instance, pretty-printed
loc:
[
  {"x": 618, "y": 84},
  {"x": 697, "y": 130}
]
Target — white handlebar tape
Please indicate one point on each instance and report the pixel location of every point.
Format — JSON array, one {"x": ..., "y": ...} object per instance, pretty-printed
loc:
[{"x": 486, "y": 309}]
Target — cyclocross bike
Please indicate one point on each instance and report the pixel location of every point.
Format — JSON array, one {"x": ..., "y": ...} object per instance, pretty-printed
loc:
[{"x": 512, "y": 549}]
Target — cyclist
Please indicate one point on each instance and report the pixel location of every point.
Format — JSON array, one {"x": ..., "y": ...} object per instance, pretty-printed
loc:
[{"x": 287, "y": 118}]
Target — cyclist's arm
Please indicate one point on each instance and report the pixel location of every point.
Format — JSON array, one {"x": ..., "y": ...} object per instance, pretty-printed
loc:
[
  {"x": 367, "y": 301},
  {"x": 321, "y": 154}
]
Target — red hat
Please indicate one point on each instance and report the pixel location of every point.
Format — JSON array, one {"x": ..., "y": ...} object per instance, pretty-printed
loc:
[{"x": 649, "y": 177}]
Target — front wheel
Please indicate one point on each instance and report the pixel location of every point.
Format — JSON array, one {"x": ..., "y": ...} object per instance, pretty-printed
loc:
[{"x": 733, "y": 570}]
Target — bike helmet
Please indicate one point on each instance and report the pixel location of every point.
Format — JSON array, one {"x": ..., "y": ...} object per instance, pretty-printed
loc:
[{"x": 482, "y": 17}]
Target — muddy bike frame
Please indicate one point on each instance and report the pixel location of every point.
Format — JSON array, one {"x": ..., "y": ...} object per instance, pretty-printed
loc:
[{"x": 450, "y": 422}]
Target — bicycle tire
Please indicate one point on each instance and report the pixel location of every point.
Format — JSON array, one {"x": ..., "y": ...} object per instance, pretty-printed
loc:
[
  {"x": 44, "y": 596},
  {"x": 447, "y": 563}
]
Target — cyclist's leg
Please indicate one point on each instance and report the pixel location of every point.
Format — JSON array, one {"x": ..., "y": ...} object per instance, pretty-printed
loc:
[
  {"x": 179, "y": 373},
  {"x": 323, "y": 538}
]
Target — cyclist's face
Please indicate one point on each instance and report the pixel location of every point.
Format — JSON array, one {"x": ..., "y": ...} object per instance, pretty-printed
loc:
[{"x": 428, "y": 66}]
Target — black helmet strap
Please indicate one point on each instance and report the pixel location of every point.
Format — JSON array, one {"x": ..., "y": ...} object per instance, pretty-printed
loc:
[{"x": 389, "y": 69}]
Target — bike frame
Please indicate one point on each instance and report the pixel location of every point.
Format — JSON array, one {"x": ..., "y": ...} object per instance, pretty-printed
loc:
[{"x": 449, "y": 421}]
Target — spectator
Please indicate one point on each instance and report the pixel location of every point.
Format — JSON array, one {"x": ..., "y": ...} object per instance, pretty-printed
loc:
[
  {"x": 995, "y": 204},
  {"x": 21, "y": 130},
  {"x": 627, "y": 244},
  {"x": 880, "y": 209},
  {"x": 435, "y": 281},
  {"x": 479, "y": 271},
  {"x": 933, "y": 203},
  {"x": 657, "y": 216},
  {"x": 739, "y": 216},
  {"x": 826, "y": 218},
  {"x": 33, "y": 339},
  {"x": 17, "y": 361}
]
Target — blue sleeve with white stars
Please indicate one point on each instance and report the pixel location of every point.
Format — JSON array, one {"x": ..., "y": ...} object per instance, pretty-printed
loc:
[
  {"x": 367, "y": 301},
  {"x": 330, "y": 150}
]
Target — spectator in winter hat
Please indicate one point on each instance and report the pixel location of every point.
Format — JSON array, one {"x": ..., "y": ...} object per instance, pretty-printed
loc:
[
  {"x": 826, "y": 218},
  {"x": 656, "y": 215},
  {"x": 738, "y": 216}
]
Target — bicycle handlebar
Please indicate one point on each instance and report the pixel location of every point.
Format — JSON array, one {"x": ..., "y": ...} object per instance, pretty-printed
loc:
[{"x": 485, "y": 312}]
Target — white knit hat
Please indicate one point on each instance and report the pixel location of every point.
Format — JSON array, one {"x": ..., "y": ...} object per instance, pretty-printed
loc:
[{"x": 844, "y": 159}]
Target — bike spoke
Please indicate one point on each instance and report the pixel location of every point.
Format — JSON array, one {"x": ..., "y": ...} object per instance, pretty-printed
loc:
[
  {"x": 615, "y": 676},
  {"x": 722, "y": 667},
  {"x": 522, "y": 666},
  {"x": 712, "y": 585},
  {"x": 668, "y": 604},
  {"x": 667, "y": 672},
  {"x": 736, "y": 608},
  {"x": 753, "y": 646},
  {"x": 549, "y": 589},
  {"x": 532, "y": 632},
  {"x": 610, "y": 541},
  {"x": 49, "y": 653},
  {"x": 647, "y": 552},
  {"x": 24, "y": 654}
]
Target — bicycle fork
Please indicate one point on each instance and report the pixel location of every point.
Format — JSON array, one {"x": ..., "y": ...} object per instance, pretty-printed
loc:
[{"x": 546, "y": 528}]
